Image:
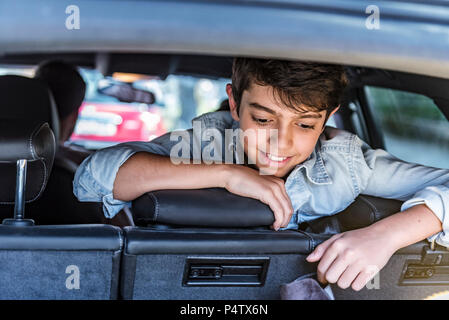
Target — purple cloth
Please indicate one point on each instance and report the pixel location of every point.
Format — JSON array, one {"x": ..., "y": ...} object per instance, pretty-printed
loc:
[{"x": 303, "y": 289}]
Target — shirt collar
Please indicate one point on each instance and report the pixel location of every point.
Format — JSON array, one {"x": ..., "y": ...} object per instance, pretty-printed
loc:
[{"x": 314, "y": 166}]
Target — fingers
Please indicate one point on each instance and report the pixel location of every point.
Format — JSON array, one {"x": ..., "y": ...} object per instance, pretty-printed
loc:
[
  {"x": 326, "y": 253},
  {"x": 348, "y": 276},
  {"x": 320, "y": 249},
  {"x": 341, "y": 265},
  {"x": 278, "y": 188},
  {"x": 344, "y": 260},
  {"x": 287, "y": 203},
  {"x": 363, "y": 277},
  {"x": 285, "y": 213},
  {"x": 351, "y": 258},
  {"x": 357, "y": 276},
  {"x": 354, "y": 275},
  {"x": 275, "y": 205},
  {"x": 286, "y": 206},
  {"x": 325, "y": 262},
  {"x": 267, "y": 189},
  {"x": 273, "y": 194}
]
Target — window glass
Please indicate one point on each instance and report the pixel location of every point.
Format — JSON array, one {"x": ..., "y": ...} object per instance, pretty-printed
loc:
[
  {"x": 358, "y": 121},
  {"x": 18, "y": 70},
  {"x": 105, "y": 120},
  {"x": 331, "y": 122},
  {"x": 413, "y": 127}
]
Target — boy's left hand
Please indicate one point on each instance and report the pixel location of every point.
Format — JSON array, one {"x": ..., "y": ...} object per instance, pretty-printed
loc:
[{"x": 352, "y": 258}]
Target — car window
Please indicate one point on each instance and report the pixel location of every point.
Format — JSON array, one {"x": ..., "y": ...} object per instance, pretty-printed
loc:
[
  {"x": 357, "y": 120},
  {"x": 104, "y": 120},
  {"x": 413, "y": 127},
  {"x": 18, "y": 70}
]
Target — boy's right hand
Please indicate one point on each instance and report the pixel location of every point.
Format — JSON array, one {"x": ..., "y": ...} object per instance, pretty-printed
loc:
[{"x": 270, "y": 190}]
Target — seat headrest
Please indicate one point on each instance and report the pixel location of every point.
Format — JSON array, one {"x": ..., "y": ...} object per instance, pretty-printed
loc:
[
  {"x": 216, "y": 207},
  {"x": 27, "y": 98},
  {"x": 211, "y": 207},
  {"x": 363, "y": 212},
  {"x": 30, "y": 140}
]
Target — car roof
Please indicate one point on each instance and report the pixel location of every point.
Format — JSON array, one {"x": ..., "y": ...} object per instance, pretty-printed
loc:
[{"x": 413, "y": 36}]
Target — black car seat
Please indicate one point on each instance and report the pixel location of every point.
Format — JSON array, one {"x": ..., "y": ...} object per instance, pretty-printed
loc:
[
  {"x": 212, "y": 244},
  {"x": 47, "y": 262},
  {"x": 26, "y": 98}
]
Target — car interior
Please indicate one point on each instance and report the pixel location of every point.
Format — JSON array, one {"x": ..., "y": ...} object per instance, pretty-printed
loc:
[{"x": 177, "y": 244}]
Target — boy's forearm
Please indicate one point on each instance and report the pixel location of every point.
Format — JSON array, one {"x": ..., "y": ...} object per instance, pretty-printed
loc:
[
  {"x": 144, "y": 172},
  {"x": 409, "y": 226}
]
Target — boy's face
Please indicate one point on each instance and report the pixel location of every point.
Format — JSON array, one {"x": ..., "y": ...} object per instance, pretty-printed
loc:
[{"x": 296, "y": 132}]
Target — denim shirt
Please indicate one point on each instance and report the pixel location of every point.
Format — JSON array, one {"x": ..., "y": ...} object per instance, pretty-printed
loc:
[{"x": 341, "y": 167}]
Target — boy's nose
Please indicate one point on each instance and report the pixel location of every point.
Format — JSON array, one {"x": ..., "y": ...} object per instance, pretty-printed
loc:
[{"x": 282, "y": 140}]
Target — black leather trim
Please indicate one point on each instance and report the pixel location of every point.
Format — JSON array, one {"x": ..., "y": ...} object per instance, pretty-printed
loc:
[
  {"x": 68, "y": 237},
  {"x": 364, "y": 211},
  {"x": 212, "y": 207},
  {"x": 216, "y": 207},
  {"x": 25, "y": 139},
  {"x": 219, "y": 241},
  {"x": 127, "y": 276},
  {"x": 29, "y": 140},
  {"x": 115, "y": 275}
]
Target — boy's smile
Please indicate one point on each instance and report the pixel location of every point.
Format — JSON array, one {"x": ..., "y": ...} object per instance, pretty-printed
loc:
[{"x": 285, "y": 137}]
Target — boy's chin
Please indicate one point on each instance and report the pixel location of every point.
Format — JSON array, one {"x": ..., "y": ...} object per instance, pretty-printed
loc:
[
  {"x": 265, "y": 168},
  {"x": 273, "y": 171}
]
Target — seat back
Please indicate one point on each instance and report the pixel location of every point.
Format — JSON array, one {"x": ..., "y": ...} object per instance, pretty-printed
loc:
[
  {"x": 209, "y": 244},
  {"x": 28, "y": 99},
  {"x": 188, "y": 245},
  {"x": 48, "y": 262},
  {"x": 60, "y": 262},
  {"x": 202, "y": 263}
]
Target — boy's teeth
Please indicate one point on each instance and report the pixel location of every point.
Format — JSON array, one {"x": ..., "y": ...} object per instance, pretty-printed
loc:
[{"x": 274, "y": 158}]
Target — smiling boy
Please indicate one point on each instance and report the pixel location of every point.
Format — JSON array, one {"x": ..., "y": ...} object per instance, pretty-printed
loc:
[{"x": 314, "y": 170}]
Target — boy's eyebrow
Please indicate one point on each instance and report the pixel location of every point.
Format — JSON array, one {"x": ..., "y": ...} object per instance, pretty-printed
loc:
[
  {"x": 300, "y": 115},
  {"x": 260, "y": 107}
]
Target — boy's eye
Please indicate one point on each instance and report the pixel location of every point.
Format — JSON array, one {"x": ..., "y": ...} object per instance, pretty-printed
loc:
[
  {"x": 261, "y": 121},
  {"x": 306, "y": 126}
]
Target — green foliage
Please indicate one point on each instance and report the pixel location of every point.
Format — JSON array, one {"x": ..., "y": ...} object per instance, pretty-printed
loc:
[
  {"x": 406, "y": 114},
  {"x": 399, "y": 104}
]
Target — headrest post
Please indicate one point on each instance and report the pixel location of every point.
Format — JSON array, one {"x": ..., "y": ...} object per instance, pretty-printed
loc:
[
  {"x": 19, "y": 208},
  {"x": 27, "y": 152}
]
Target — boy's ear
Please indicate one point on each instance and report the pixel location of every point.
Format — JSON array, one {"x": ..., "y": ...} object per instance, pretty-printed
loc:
[
  {"x": 333, "y": 111},
  {"x": 232, "y": 104}
]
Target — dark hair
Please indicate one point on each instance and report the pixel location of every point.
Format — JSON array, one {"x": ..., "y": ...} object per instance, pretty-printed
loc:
[
  {"x": 302, "y": 86},
  {"x": 224, "y": 105},
  {"x": 66, "y": 84}
]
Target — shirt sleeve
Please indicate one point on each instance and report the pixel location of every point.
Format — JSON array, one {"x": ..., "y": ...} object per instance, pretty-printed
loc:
[
  {"x": 95, "y": 177},
  {"x": 383, "y": 175}
]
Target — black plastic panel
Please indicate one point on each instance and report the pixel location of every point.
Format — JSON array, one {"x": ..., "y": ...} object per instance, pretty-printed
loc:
[{"x": 225, "y": 271}]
